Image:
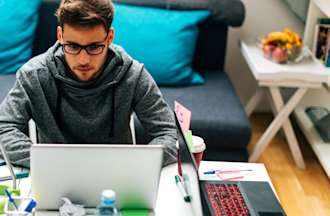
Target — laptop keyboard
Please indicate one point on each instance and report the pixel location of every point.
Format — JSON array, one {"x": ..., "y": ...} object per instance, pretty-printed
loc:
[{"x": 226, "y": 199}]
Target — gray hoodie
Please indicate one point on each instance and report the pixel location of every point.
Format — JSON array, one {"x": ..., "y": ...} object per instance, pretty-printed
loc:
[{"x": 98, "y": 111}]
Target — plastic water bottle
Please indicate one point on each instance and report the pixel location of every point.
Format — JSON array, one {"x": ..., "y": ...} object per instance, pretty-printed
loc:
[{"x": 108, "y": 204}]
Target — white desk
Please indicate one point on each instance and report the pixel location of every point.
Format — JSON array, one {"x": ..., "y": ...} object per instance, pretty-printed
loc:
[
  {"x": 170, "y": 201},
  {"x": 308, "y": 73}
]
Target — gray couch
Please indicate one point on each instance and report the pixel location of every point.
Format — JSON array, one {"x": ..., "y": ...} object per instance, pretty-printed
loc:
[{"x": 217, "y": 114}]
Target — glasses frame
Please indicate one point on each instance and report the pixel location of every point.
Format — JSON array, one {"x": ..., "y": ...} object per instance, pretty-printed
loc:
[{"x": 85, "y": 47}]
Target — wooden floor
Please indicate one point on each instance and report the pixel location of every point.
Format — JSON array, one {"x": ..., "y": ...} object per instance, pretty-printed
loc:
[{"x": 301, "y": 192}]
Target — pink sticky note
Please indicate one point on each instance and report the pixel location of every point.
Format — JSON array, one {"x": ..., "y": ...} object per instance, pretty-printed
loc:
[{"x": 183, "y": 114}]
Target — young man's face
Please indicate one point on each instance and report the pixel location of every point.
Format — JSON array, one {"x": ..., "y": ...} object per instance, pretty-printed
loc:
[{"x": 86, "y": 63}]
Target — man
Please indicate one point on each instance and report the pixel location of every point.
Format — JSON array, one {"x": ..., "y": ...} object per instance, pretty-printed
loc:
[{"x": 83, "y": 89}]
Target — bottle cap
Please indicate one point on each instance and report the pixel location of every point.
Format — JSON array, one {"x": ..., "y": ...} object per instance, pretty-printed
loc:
[{"x": 108, "y": 197}]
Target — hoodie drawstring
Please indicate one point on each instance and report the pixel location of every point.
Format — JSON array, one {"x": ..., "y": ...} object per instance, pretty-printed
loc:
[
  {"x": 112, "y": 113},
  {"x": 58, "y": 103}
]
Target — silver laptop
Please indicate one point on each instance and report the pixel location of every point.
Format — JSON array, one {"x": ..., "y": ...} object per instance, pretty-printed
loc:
[{"x": 81, "y": 172}]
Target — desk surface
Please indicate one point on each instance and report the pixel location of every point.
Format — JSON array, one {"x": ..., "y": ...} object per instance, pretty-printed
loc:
[{"x": 170, "y": 201}]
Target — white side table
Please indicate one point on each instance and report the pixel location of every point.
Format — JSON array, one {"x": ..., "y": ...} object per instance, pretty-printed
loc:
[{"x": 308, "y": 73}]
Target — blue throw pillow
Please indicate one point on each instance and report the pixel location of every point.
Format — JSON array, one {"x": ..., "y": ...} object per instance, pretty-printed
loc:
[
  {"x": 18, "y": 23},
  {"x": 164, "y": 40}
]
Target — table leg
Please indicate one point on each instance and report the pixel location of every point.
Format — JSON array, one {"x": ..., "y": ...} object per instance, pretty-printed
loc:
[
  {"x": 288, "y": 130},
  {"x": 272, "y": 106},
  {"x": 276, "y": 124},
  {"x": 253, "y": 102}
]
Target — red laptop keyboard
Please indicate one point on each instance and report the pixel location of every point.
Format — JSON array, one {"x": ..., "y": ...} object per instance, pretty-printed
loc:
[{"x": 226, "y": 200}]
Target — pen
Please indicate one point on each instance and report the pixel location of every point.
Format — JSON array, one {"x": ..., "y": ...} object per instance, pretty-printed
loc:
[
  {"x": 179, "y": 184},
  {"x": 18, "y": 175},
  {"x": 11, "y": 200},
  {"x": 225, "y": 171},
  {"x": 232, "y": 178}
]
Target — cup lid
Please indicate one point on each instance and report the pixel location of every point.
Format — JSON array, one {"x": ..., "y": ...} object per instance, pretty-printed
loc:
[{"x": 198, "y": 143}]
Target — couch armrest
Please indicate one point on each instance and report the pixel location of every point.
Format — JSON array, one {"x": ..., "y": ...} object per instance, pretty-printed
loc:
[{"x": 230, "y": 12}]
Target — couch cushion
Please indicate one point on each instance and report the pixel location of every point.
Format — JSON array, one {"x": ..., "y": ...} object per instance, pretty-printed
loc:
[
  {"x": 18, "y": 23},
  {"x": 217, "y": 114},
  {"x": 164, "y": 40}
]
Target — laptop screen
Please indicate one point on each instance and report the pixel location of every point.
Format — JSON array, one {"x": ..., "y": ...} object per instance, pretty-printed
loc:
[{"x": 82, "y": 172}]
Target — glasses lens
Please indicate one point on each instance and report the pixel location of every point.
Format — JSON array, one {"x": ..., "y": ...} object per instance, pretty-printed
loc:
[
  {"x": 95, "y": 49},
  {"x": 72, "y": 48}
]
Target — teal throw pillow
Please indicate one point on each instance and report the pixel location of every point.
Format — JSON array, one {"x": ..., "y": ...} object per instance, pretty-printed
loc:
[
  {"x": 164, "y": 40},
  {"x": 18, "y": 23}
]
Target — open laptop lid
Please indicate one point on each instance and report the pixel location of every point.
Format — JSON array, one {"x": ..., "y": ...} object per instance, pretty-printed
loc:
[
  {"x": 189, "y": 171},
  {"x": 264, "y": 201},
  {"x": 82, "y": 172}
]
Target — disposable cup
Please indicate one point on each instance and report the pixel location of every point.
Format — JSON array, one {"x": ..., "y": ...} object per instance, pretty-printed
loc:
[{"x": 198, "y": 150}]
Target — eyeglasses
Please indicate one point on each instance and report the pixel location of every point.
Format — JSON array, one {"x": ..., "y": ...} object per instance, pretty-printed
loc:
[{"x": 91, "y": 49}]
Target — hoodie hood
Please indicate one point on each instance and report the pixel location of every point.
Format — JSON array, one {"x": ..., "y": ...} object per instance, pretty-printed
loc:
[{"x": 116, "y": 66}]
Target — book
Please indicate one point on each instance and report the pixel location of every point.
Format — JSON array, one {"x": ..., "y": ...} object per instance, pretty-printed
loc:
[
  {"x": 321, "y": 42},
  {"x": 327, "y": 60},
  {"x": 320, "y": 117},
  {"x": 323, "y": 20},
  {"x": 327, "y": 55}
]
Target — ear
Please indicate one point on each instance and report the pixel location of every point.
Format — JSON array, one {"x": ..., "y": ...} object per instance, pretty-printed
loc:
[
  {"x": 111, "y": 35},
  {"x": 60, "y": 34}
]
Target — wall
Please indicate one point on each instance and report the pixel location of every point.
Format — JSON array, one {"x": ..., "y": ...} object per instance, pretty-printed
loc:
[{"x": 262, "y": 16}]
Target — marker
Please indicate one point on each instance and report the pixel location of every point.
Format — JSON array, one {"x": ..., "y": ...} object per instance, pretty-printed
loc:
[
  {"x": 179, "y": 163},
  {"x": 225, "y": 171},
  {"x": 18, "y": 175},
  {"x": 11, "y": 200},
  {"x": 180, "y": 184}
]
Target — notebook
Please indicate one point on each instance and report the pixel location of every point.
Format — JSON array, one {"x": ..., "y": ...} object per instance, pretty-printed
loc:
[
  {"x": 222, "y": 198},
  {"x": 82, "y": 172}
]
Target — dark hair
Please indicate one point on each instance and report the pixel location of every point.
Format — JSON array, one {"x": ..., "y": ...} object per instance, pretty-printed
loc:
[{"x": 85, "y": 13}]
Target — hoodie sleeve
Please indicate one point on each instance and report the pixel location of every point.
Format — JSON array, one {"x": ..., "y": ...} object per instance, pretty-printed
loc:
[
  {"x": 14, "y": 117},
  {"x": 155, "y": 115}
]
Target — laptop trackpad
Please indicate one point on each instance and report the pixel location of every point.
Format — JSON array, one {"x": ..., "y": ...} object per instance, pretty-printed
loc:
[{"x": 262, "y": 198}]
